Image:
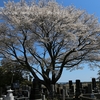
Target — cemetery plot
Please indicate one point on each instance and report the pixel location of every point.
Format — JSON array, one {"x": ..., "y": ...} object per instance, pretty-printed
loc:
[{"x": 69, "y": 91}]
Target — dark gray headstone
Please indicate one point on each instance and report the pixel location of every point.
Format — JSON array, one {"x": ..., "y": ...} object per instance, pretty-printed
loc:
[
  {"x": 85, "y": 88},
  {"x": 89, "y": 88},
  {"x": 70, "y": 84},
  {"x": 93, "y": 83},
  {"x": 71, "y": 88},
  {"x": 58, "y": 90},
  {"x": 36, "y": 90},
  {"x": 77, "y": 93}
]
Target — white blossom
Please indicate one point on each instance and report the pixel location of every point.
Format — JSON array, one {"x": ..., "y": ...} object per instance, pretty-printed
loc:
[{"x": 48, "y": 34}]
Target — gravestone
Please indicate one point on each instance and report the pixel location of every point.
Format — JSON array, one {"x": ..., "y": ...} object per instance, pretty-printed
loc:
[
  {"x": 85, "y": 89},
  {"x": 81, "y": 87},
  {"x": 58, "y": 90},
  {"x": 72, "y": 90},
  {"x": 61, "y": 91},
  {"x": 89, "y": 88},
  {"x": 52, "y": 89},
  {"x": 77, "y": 93},
  {"x": 64, "y": 94},
  {"x": 93, "y": 83},
  {"x": 70, "y": 84},
  {"x": 71, "y": 87},
  {"x": 36, "y": 90}
]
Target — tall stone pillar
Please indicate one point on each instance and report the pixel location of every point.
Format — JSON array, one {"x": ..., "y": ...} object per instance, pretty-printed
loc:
[
  {"x": 70, "y": 86},
  {"x": 93, "y": 83},
  {"x": 77, "y": 93},
  {"x": 36, "y": 91}
]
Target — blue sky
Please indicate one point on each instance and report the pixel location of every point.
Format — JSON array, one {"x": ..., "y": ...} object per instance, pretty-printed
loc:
[{"x": 92, "y": 7}]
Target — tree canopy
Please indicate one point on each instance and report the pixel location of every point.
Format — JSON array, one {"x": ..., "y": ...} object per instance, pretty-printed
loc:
[
  {"x": 12, "y": 72},
  {"x": 47, "y": 37}
]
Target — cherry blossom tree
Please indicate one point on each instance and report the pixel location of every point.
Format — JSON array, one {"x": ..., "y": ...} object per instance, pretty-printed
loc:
[{"x": 46, "y": 38}]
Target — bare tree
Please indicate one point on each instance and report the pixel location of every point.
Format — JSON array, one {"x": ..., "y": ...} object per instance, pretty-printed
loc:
[{"x": 48, "y": 38}]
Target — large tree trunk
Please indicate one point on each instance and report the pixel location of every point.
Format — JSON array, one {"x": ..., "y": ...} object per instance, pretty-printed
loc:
[{"x": 49, "y": 85}]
